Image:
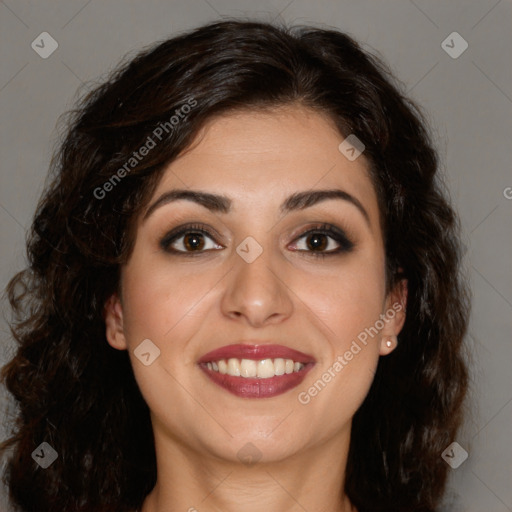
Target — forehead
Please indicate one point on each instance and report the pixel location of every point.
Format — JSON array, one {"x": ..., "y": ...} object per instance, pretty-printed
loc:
[{"x": 259, "y": 157}]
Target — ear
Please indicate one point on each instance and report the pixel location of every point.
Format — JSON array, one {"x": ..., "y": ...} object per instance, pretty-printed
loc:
[
  {"x": 113, "y": 313},
  {"x": 394, "y": 317}
]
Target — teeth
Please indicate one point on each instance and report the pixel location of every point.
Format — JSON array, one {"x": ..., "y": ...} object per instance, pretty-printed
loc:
[
  {"x": 234, "y": 367},
  {"x": 223, "y": 366},
  {"x": 266, "y": 369},
  {"x": 249, "y": 368},
  {"x": 279, "y": 366}
]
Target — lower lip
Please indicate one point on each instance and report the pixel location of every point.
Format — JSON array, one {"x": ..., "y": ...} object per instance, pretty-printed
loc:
[{"x": 257, "y": 388}]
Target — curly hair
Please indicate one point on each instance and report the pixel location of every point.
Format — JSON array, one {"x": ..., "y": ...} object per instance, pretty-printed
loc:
[{"x": 76, "y": 392}]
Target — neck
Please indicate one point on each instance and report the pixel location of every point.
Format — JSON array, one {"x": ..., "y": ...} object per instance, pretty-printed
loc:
[{"x": 195, "y": 482}]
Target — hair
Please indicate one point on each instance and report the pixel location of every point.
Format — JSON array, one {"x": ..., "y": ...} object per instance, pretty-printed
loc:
[{"x": 74, "y": 391}]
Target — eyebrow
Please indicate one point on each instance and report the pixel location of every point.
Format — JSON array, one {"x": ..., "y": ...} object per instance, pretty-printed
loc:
[{"x": 222, "y": 204}]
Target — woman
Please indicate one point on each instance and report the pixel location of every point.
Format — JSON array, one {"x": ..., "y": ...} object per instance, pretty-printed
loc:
[{"x": 243, "y": 290}]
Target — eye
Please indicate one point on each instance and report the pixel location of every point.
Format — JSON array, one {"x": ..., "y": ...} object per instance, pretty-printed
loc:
[
  {"x": 188, "y": 240},
  {"x": 324, "y": 240}
]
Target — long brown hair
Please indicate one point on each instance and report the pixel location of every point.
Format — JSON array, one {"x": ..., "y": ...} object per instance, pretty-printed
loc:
[{"x": 77, "y": 393}]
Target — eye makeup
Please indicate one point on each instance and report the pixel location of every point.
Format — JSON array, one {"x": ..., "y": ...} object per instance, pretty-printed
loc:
[{"x": 193, "y": 237}]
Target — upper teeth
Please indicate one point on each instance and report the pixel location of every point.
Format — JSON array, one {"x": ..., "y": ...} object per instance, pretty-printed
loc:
[{"x": 263, "y": 369}]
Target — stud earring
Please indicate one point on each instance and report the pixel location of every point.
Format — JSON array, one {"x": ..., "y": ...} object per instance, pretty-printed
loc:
[{"x": 391, "y": 341}]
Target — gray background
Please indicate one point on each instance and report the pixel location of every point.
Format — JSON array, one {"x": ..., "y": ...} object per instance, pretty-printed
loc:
[{"x": 468, "y": 99}]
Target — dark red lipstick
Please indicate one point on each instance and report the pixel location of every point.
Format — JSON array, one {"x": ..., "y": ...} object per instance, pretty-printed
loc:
[{"x": 256, "y": 387}]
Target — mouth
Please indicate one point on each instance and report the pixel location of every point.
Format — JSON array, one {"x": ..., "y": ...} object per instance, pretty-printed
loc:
[{"x": 256, "y": 371}]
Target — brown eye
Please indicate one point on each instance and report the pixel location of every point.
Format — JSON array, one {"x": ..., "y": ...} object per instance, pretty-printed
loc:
[
  {"x": 193, "y": 241},
  {"x": 317, "y": 242},
  {"x": 189, "y": 240},
  {"x": 325, "y": 240}
]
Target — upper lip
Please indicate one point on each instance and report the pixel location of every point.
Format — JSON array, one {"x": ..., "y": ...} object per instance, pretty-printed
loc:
[{"x": 248, "y": 350}]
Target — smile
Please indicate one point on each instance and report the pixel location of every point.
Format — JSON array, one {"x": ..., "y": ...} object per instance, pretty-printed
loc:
[
  {"x": 262, "y": 369},
  {"x": 256, "y": 371}
]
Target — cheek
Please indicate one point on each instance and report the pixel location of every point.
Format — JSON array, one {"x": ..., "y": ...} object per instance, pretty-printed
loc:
[
  {"x": 348, "y": 301},
  {"x": 166, "y": 305},
  {"x": 167, "y": 308},
  {"x": 348, "y": 304}
]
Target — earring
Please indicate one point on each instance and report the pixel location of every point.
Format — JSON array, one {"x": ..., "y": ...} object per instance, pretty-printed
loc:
[{"x": 391, "y": 341}]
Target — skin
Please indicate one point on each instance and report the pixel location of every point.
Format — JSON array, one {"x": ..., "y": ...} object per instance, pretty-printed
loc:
[{"x": 189, "y": 305}]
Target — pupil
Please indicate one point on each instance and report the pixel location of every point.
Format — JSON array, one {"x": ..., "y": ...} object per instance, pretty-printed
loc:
[
  {"x": 194, "y": 241},
  {"x": 317, "y": 241}
]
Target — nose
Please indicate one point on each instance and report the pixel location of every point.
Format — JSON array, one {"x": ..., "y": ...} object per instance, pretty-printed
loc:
[{"x": 256, "y": 292}]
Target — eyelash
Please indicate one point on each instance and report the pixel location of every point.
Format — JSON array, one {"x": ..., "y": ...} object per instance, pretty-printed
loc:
[{"x": 345, "y": 245}]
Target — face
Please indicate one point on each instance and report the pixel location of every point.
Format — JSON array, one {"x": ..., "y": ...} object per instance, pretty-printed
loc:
[{"x": 259, "y": 274}]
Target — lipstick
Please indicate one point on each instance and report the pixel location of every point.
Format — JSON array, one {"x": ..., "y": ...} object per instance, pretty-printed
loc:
[{"x": 256, "y": 371}]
